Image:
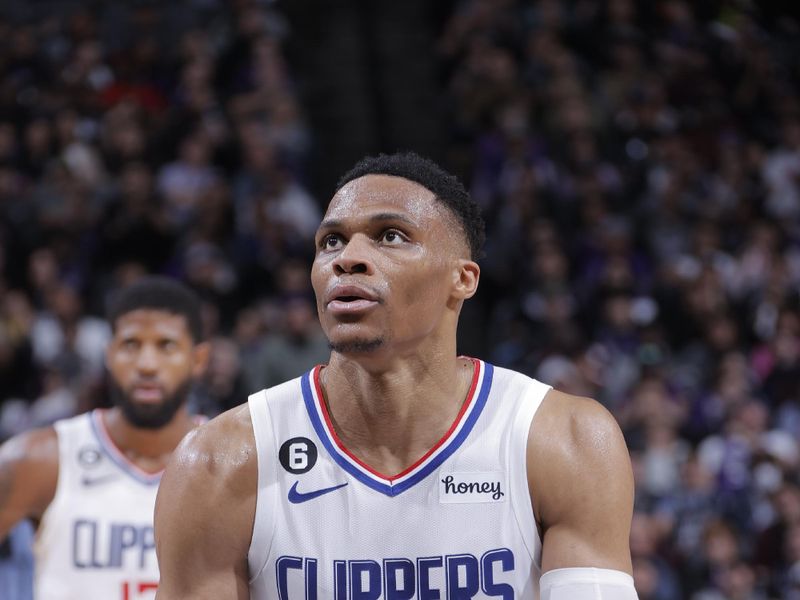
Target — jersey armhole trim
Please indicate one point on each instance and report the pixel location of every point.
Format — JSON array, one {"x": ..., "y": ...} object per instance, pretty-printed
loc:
[
  {"x": 266, "y": 456},
  {"x": 63, "y": 446},
  {"x": 523, "y": 508}
]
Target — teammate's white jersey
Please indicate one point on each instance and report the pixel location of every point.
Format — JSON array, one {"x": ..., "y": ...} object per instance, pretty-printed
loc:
[
  {"x": 457, "y": 524},
  {"x": 95, "y": 541}
]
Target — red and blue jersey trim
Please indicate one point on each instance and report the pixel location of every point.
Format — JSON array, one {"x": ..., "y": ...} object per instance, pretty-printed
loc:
[
  {"x": 392, "y": 485},
  {"x": 116, "y": 455}
]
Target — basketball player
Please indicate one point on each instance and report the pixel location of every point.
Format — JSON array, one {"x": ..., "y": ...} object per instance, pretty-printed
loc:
[
  {"x": 91, "y": 481},
  {"x": 399, "y": 470}
]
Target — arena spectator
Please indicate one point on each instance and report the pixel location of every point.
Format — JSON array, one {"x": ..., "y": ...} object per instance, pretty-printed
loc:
[{"x": 638, "y": 167}]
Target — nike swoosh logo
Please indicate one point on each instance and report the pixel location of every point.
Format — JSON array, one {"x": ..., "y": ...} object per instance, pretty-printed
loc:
[
  {"x": 296, "y": 497},
  {"x": 89, "y": 481}
]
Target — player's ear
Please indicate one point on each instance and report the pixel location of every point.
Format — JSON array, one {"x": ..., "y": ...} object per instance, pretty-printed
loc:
[
  {"x": 467, "y": 273},
  {"x": 201, "y": 354}
]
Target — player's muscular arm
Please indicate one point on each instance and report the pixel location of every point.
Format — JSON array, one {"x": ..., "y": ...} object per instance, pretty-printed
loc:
[
  {"x": 581, "y": 485},
  {"x": 28, "y": 476},
  {"x": 205, "y": 510}
]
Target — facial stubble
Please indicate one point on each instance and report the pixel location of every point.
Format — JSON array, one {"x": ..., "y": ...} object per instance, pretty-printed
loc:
[
  {"x": 356, "y": 346},
  {"x": 149, "y": 416}
]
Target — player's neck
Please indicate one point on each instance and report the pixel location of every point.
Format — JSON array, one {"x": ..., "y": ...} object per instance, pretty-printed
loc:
[
  {"x": 148, "y": 448},
  {"x": 391, "y": 418}
]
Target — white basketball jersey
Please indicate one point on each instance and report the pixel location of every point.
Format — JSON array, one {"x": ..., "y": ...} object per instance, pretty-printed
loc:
[
  {"x": 95, "y": 541},
  {"x": 457, "y": 524}
]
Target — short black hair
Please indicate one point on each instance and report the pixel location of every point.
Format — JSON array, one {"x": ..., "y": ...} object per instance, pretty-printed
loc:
[
  {"x": 445, "y": 186},
  {"x": 158, "y": 293}
]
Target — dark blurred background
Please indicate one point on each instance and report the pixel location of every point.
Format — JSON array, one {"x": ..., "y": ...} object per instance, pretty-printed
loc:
[{"x": 638, "y": 164}]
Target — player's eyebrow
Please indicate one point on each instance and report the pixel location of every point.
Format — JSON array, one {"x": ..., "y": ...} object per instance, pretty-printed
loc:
[{"x": 328, "y": 224}]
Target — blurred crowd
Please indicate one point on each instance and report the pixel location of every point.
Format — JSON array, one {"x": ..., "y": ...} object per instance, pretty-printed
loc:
[
  {"x": 638, "y": 165},
  {"x": 142, "y": 139}
]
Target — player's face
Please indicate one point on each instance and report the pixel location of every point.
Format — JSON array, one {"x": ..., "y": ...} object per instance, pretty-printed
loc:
[
  {"x": 152, "y": 360},
  {"x": 387, "y": 256}
]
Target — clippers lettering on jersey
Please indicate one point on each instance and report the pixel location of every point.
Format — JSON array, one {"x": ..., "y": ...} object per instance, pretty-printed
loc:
[
  {"x": 112, "y": 545},
  {"x": 296, "y": 497},
  {"x": 448, "y": 577},
  {"x": 461, "y": 488}
]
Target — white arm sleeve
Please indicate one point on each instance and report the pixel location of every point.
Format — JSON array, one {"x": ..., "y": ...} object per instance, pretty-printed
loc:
[{"x": 586, "y": 583}]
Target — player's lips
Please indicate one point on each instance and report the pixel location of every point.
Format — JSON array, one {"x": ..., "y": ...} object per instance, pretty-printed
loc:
[
  {"x": 147, "y": 392},
  {"x": 348, "y": 299}
]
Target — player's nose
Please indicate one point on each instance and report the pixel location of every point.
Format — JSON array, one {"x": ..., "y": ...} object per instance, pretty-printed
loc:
[
  {"x": 355, "y": 257},
  {"x": 147, "y": 359}
]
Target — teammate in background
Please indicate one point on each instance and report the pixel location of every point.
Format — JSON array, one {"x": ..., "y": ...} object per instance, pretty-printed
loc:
[
  {"x": 399, "y": 470},
  {"x": 91, "y": 481}
]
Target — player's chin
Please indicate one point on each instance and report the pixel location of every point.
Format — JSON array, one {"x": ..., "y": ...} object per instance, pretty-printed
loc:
[
  {"x": 148, "y": 407},
  {"x": 356, "y": 345}
]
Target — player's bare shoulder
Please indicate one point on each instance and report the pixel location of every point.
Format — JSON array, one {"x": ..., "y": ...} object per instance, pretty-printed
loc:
[
  {"x": 205, "y": 509},
  {"x": 573, "y": 427},
  {"x": 581, "y": 483},
  {"x": 217, "y": 458},
  {"x": 28, "y": 475},
  {"x": 574, "y": 437},
  {"x": 38, "y": 446}
]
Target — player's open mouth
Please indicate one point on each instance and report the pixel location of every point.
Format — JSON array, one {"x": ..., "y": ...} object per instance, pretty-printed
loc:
[
  {"x": 350, "y": 304},
  {"x": 348, "y": 299}
]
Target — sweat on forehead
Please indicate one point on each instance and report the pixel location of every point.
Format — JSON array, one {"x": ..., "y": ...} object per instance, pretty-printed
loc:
[{"x": 446, "y": 188}]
